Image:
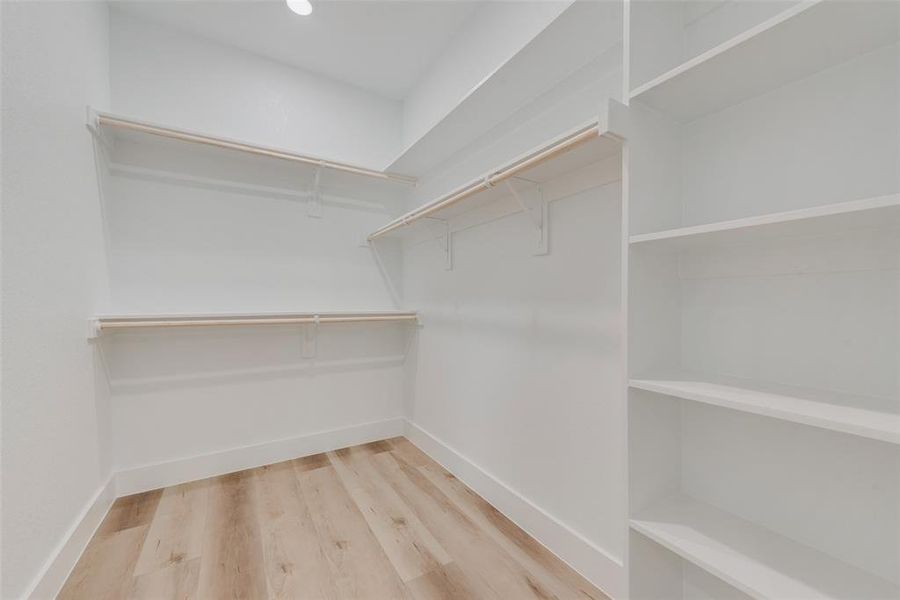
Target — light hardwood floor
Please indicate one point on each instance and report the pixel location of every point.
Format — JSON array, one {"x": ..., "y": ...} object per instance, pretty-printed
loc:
[{"x": 377, "y": 521}]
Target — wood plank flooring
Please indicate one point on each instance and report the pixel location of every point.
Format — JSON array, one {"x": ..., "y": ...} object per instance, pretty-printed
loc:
[{"x": 378, "y": 521}]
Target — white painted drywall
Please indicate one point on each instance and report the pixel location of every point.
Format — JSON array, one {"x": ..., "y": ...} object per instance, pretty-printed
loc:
[
  {"x": 180, "y": 247},
  {"x": 519, "y": 364},
  {"x": 183, "y": 394},
  {"x": 162, "y": 75},
  {"x": 487, "y": 39},
  {"x": 194, "y": 231},
  {"x": 55, "y": 421}
]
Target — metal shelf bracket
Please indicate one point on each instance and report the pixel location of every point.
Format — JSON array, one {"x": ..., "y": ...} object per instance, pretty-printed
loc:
[
  {"x": 444, "y": 239},
  {"x": 311, "y": 339},
  {"x": 533, "y": 204},
  {"x": 314, "y": 199},
  {"x": 93, "y": 329}
]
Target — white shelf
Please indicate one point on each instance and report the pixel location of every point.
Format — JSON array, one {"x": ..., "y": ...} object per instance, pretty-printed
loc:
[
  {"x": 871, "y": 213},
  {"x": 583, "y": 30},
  {"x": 133, "y": 321},
  {"x": 166, "y": 146},
  {"x": 837, "y": 412},
  {"x": 803, "y": 40},
  {"x": 754, "y": 559},
  {"x": 569, "y": 152}
]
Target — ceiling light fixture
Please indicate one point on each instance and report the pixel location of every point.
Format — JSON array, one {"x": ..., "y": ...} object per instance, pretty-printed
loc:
[{"x": 301, "y": 7}]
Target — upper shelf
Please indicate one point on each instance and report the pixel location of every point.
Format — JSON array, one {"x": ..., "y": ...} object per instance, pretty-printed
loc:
[
  {"x": 582, "y": 32},
  {"x": 756, "y": 560},
  {"x": 881, "y": 212},
  {"x": 582, "y": 147},
  {"x": 217, "y": 155},
  {"x": 796, "y": 43}
]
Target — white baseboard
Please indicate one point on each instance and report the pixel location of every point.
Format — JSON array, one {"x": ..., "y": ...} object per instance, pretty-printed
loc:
[
  {"x": 594, "y": 563},
  {"x": 51, "y": 577},
  {"x": 151, "y": 477}
]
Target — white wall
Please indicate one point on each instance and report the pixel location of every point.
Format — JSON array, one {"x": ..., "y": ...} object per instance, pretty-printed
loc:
[
  {"x": 489, "y": 38},
  {"x": 162, "y": 75},
  {"x": 518, "y": 364},
  {"x": 184, "y": 237},
  {"x": 198, "y": 230},
  {"x": 179, "y": 247},
  {"x": 55, "y": 426},
  {"x": 181, "y": 395},
  {"x": 516, "y": 377}
]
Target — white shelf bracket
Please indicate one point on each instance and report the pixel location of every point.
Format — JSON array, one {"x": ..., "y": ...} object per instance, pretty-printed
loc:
[
  {"x": 444, "y": 239},
  {"x": 314, "y": 199},
  {"x": 94, "y": 330},
  {"x": 311, "y": 339},
  {"x": 94, "y": 128},
  {"x": 533, "y": 204}
]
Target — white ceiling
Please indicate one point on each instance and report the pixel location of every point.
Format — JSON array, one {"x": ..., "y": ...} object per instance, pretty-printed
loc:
[{"x": 379, "y": 45}]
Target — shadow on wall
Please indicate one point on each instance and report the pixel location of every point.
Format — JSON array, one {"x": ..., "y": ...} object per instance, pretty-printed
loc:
[{"x": 146, "y": 361}]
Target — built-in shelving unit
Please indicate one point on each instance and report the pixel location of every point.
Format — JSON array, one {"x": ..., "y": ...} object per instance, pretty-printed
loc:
[
  {"x": 800, "y": 41},
  {"x": 123, "y": 322},
  {"x": 753, "y": 559},
  {"x": 763, "y": 270},
  {"x": 567, "y": 153},
  {"x": 828, "y": 410},
  {"x": 882, "y": 212}
]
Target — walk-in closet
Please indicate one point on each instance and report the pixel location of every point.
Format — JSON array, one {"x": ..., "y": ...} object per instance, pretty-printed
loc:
[{"x": 450, "y": 299}]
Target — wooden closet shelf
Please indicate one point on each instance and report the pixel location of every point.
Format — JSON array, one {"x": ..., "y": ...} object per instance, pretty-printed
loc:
[{"x": 118, "y": 322}]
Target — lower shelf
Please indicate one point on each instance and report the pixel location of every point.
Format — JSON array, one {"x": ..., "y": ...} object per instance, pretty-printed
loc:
[
  {"x": 836, "y": 412},
  {"x": 751, "y": 558}
]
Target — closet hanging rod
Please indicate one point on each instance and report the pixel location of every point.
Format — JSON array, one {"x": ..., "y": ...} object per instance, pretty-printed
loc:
[
  {"x": 177, "y": 134},
  {"x": 558, "y": 147},
  {"x": 102, "y": 324}
]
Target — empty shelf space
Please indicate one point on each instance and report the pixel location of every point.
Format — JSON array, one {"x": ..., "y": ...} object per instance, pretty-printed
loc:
[
  {"x": 803, "y": 40},
  {"x": 881, "y": 212},
  {"x": 118, "y": 322},
  {"x": 827, "y": 410},
  {"x": 753, "y": 559}
]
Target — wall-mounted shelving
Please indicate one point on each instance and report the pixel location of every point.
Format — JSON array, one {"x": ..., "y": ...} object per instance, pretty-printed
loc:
[
  {"x": 163, "y": 147},
  {"x": 583, "y": 30},
  {"x": 753, "y": 559},
  {"x": 882, "y": 212},
  {"x": 104, "y": 323},
  {"x": 828, "y": 410},
  {"x": 763, "y": 256},
  {"x": 800, "y": 41},
  {"x": 567, "y": 153}
]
